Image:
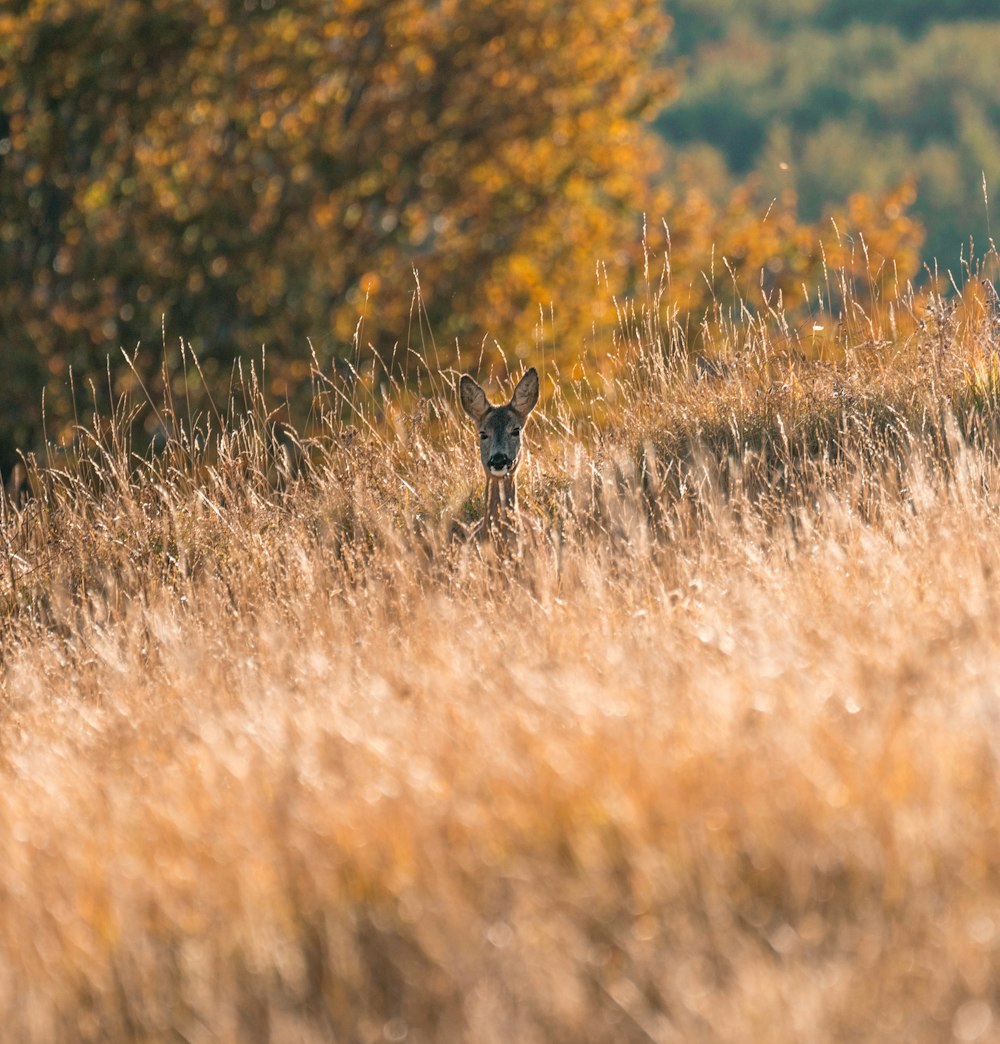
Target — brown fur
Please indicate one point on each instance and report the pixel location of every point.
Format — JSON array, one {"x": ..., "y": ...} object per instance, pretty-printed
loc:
[{"x": 500, "y": 447}]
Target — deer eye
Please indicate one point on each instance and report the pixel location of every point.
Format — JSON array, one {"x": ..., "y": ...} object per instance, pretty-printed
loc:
[
  {"x": 515, "y": 431},
  {"x": 483, "y": 435}
]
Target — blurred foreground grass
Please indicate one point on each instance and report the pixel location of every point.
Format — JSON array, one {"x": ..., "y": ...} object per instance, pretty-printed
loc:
[{"x": 715, "y": 760}]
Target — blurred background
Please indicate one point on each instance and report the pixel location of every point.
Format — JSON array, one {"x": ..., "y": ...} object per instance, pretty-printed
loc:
[
  {"x": 366, "y": 185},
  {"x": 832, "y": 97}
]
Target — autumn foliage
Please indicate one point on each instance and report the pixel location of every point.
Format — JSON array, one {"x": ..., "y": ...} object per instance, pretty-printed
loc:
[
  {"x": 239, "y": 174},
  {"x": 271, "y": 173}
]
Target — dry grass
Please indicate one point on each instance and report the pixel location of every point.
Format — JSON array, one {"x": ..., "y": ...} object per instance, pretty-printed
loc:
[{"x": 715, "y": 760}]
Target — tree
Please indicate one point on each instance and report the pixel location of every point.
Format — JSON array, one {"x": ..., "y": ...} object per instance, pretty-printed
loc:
[
  {"x": 261, "y": 172},
  {"x": 241, "y": 172}
]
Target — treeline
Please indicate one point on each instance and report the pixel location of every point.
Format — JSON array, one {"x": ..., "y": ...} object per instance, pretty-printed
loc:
[
  {"x": 241, "y": 173},
  {"x": 262, "y": 173},
  {"x": 827, "y": 97}
]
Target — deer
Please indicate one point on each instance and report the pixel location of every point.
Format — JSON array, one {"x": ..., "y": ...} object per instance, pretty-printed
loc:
[{"x": 500, "y": 448}]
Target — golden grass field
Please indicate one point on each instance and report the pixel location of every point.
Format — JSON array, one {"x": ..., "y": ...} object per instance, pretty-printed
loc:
[{"x": 714, "y": 757}]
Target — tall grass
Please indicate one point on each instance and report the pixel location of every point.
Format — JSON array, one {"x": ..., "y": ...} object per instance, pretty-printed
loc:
[{"x": 714, "y": 757}]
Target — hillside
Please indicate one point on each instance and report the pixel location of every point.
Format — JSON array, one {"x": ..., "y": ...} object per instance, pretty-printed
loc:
[
  {"x": 832, "y": 97},
  {"x": 708, "y": 751},
  {"x": 711, "y": 756}
]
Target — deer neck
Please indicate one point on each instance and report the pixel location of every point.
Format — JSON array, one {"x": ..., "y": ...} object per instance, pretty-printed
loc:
[{"x": 501, "y": 497}]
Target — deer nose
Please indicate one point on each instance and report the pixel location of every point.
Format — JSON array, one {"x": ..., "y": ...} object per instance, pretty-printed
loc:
[{"x": 499, "y": 461}]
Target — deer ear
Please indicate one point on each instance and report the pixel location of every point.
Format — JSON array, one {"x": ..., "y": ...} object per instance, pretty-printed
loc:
[
  {"x": 525, "y": 395},
  {"x": 474, "y": 400}
]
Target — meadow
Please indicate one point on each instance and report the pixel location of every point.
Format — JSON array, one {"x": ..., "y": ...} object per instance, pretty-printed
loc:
[{"x": 714, "y": 758}]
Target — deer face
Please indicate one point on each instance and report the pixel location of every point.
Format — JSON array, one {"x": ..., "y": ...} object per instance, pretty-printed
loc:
[{"x": 500, "y": 426}]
